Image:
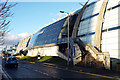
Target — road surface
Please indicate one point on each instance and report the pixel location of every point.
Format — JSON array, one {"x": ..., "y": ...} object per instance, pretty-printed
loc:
[{"x": 36, "y": 70}]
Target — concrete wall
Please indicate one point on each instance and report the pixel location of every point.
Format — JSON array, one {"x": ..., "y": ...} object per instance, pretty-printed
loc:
[{"x": 44, "y": 51}]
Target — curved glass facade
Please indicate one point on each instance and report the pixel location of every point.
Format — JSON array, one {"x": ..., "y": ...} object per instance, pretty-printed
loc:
[
  {"x": 64, "y": 31},
  {"x": 86, "y": 29},
  {"x": 47, "y": 35}
]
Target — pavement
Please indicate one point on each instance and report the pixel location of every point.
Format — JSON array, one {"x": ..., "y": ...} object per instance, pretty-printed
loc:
[
  {"x": 0, "y": 76},
  {"x": 0, "y": 67}
]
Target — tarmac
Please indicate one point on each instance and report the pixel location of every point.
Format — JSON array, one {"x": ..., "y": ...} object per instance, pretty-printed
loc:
[{"x": 85, "y": 70}]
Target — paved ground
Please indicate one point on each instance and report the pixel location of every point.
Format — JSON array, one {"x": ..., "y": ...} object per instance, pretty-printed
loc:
[
  {"x": 36, "y": 70},
  {"x": 0, "y": 67}
]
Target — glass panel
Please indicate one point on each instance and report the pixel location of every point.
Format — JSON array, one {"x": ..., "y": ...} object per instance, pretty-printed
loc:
[{"x": 47, "y": 35}]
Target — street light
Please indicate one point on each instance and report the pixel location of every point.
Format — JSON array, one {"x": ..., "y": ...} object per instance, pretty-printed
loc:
[
  {"x": 62, "y": 11},
  {"x": 68, "y": 35}
]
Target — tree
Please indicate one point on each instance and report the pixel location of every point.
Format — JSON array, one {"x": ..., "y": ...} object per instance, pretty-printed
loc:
[{"x": 5, "y": 13}]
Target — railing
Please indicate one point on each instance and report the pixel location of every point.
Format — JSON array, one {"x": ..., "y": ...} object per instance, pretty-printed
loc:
[
  {"x": 89, "y": 51},
  {"x": 103, "y": 57}
]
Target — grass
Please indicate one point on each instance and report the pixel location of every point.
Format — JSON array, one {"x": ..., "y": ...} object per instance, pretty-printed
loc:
[
  {"x": 48, "y": 59},
  {"x": 29, "y": 58},
  {"x": 45, "y": 58}
]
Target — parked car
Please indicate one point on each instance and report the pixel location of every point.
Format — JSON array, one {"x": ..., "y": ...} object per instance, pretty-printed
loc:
[{"x": 11, "y": 61}]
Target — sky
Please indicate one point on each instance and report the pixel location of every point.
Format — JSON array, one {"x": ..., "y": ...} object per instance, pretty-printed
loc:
[{"x": 30, "y": 16}]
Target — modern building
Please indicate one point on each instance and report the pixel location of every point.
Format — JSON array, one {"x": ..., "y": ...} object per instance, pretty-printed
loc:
[
  {"x": 23, "y": 43},
  {"x": 94, "y": 35}
]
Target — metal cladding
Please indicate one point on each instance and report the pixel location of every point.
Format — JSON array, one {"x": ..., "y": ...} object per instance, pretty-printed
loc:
[{"x": 102, "y": 24}]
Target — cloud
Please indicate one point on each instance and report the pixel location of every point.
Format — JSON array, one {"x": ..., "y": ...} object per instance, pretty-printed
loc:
[{"x": 11, "y": 39}]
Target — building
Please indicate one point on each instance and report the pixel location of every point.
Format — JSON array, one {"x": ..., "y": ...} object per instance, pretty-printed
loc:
[{"x": 94, "y": 35}]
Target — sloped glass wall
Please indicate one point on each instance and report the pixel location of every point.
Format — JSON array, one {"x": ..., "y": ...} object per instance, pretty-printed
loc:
[{"x": 47, "y": 35}]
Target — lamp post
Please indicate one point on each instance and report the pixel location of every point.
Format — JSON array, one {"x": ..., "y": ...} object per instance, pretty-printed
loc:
[{"x": 68, "y": 36}]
